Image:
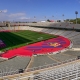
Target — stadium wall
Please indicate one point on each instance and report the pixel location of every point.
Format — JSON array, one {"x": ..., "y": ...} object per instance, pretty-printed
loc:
[
  {"x": 58, "y": 25},
  {"x": 49, "y": 24}
]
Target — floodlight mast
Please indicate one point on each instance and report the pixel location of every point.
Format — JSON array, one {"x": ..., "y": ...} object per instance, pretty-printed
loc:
[
  {"x": 0, "y": 11},
  {"x": 76, "y": 12},
  {"x": 34, "y": 18},
  {"x": 45, "y": 18},
  {"x": 52, "y": 16},
  {"x": 63, "y": 17}
]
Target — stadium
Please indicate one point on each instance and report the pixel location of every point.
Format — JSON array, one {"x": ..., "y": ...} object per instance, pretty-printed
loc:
[{"x": 40, "y": 51}]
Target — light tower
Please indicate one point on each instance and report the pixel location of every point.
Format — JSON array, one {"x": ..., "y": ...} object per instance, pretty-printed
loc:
[
  {"x": 34, "y": 18},
  {"x": 63, "y": 17},
  {"x": 44, "y": 18},
  {"x": 0, "y": 11},
  {"x": 52, "y": 16},
  {"x": 76, "y": 12}
]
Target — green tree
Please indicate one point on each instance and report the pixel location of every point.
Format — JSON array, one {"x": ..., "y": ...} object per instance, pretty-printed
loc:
[{"x": 48, "y": 20}]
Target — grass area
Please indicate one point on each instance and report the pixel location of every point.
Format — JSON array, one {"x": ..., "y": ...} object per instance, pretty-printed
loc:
[{"x": 21, "y": 38}]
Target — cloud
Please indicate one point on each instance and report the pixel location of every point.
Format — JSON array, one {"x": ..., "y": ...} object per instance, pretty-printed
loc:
[
  {"x": 23, "y": 18},
  {"x": 4, "y": 16},
  {"x": 12, "y": 16},
  {"x": 4, "y": 11},
  {"x": 17, "y": 14}
]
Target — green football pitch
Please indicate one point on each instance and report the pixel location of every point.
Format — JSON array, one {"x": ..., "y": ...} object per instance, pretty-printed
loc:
[{"x": 22, "y": 38}]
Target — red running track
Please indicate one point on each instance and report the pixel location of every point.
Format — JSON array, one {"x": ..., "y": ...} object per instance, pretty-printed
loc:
[{"x": 43, "y": 47}]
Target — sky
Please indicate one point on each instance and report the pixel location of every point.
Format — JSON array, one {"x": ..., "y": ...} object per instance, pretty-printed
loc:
[{"x": 23, "y": 10}]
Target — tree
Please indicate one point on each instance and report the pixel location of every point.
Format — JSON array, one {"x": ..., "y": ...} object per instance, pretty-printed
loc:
[
  {"x": 48, "y": 20},
  {"x": 74, "y": 20}
]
